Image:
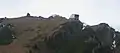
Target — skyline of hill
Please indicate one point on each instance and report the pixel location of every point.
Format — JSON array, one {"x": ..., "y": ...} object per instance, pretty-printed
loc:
[{"x": 116, "y": 26}]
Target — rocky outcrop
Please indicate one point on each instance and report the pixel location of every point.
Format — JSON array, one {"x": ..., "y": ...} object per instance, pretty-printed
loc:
[
  {"x": 28, "y": 14},
  {"x": 91, "y": 39}
]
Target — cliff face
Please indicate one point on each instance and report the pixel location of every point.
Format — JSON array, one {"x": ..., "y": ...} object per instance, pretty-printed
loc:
[{"x": 70, "y": 37}]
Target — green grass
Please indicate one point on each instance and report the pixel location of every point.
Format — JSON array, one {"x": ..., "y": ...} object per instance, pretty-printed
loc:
[{"x": 5, "y": 41}]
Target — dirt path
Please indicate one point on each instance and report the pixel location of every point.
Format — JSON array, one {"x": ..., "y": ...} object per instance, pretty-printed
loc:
[{"x": 11, "y": 48}]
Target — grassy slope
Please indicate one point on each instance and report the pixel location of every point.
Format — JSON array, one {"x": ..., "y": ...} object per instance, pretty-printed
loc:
[{"x": 30, "y": 30}]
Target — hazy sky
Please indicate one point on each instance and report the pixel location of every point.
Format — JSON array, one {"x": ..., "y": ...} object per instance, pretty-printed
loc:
[{"x": 90, "y": 11}]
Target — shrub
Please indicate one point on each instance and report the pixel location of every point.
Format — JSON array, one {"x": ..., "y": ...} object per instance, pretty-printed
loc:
[{"x": 5, "y": 35}]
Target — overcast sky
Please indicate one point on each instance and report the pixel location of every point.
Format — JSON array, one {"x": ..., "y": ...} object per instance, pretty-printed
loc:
[{"x": 91, "y": 11}]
